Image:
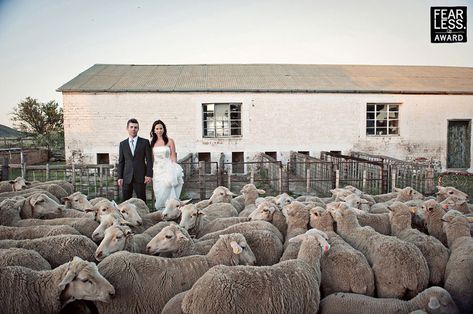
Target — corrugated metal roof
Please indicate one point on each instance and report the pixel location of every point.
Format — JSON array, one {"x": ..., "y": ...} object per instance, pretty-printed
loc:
[{"x": 312, "y": 78}]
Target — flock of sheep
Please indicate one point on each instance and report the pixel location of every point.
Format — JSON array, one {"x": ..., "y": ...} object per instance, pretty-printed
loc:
[{"x": 351, "y": 253}]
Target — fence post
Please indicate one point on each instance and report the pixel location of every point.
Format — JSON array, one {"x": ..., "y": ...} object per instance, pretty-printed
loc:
[
  {"x": 101, "y": 180},
  {"x": 281, "y": 172},
  {"x": 429, "y": 181},
  {"x": 203, "y": 195},
  {"x": 5, "y": 169},
  {"x": 47, "y": 172},
  {"x": 252, "y": 176},
  {"x": 393, "y": 180},
  {"x": 363, "y": 185},
  {"x": 23, "y": 164},
  {"x": 220, "y": 169},
  {"x": 307, "y": 180},
  {"x": 229, "y": 179},
  {"x": 337, "y": 178},
  {"x": 73, "y": 175}
]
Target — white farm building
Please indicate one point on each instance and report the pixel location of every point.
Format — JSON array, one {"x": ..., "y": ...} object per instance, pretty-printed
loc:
[{"x": 243, "y": 109}]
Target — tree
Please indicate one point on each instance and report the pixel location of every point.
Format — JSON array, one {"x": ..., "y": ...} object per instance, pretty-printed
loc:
[{"x": 45, "y": 121}]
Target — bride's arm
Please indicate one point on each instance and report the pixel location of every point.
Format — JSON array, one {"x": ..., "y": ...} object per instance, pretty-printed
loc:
[{"x": 172, "y": 147}]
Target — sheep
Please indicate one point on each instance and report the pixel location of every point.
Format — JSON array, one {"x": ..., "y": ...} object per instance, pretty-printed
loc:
[
  {"x": 222, "y": 194},
  {"x": 13, "y": 185},
  {"x": 175, "y": 240},
  {"x": 287, "y": 287},
  {"x": 361, "y": 194},
  {"x": 118, "y": 238},
  {"x": 433, "y": 220},
  {"x": 297, "y": 216},
  {"x": 33, "y": 232},
  {"x": 269, "y": 212},
  {"x": 10, "y": 211},
  {"x": 356, "y": 201},
  {"x": 382, "y": 198},
  {"x": 25, "y": 290},
  {"x": 194, "y": 220},
  {"x": 144, "y": 283},
  {"x": 38, "y": 205},
  {"x": 458, "y": 274},
  {"x": 250, "y": 194},
  {"x": 446, "y": 191},
  {"x": 344, "y": 269},
  {"x": 65, "y": 185},
  {"x": 56, "y": 249},
  {"x": 54, "y": 189},
  {"x": 433, "y": 300},
  {"x": 22, "y": 257},
  {"x": 77, "y": 201},
  {"x": 139, "y": 205},
  {"x": 457, "y": 203},
  {"x": 83, "y": 225},
  {"x": 400, "y": 269},
  {"x": 172, "y": 209},
  {"x": 407, "y": 194},
  {"x": 435, "y": 253},
  {"x": 262, "y": 236}
]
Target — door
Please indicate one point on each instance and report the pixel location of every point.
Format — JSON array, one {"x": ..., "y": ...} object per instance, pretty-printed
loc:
[{"x": 458, "y": 144}]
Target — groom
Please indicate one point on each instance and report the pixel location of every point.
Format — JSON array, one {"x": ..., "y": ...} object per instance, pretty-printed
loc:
[{"x": 135, "y": 163}]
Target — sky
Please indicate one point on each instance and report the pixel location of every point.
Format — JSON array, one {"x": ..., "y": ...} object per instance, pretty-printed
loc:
[{"x": 46, "y": 43}]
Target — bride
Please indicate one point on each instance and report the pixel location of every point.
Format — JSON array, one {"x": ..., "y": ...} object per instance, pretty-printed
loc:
[{"x": 167, "y": 174}]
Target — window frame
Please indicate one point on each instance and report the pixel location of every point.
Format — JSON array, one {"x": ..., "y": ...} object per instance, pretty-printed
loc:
[
  {"x": 388, "y": 123},
  {"x": 225, "y": 131}
]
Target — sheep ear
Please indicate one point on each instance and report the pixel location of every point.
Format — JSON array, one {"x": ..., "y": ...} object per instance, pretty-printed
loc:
[
  {"x": 397, "y": 189},
  {"x": 88, "y": 210},
  {"x": 363, "y": 201},
  {"x": 124, "y": 222},
  {"x": 261, "y": 191},
  {"x": 434, "y": 303},
  {"x": 185, "y": 202},
  {"x": 66, "y": 198},
  {"x": 298, "y": 238},
  {"x": 71, "y": 273},
  {"x": 236, "y": 247},
  {"x": 470, "y": 219},
  {"x": 35, "y": 200},
  {"x": 413, "y": 209},
  {"x": 12, "y": 182},
  {"x": 27, "y": 183}
]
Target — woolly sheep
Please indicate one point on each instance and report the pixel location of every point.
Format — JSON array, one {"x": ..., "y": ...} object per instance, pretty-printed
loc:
[
  {"x": 38, "y": 205},
  {"x": 435, "y": 253},
  {"x": 344, "y": 269},
  {"x": 173, "y": 306},
  {"x": 287, "y": 287},
  {"x": 58, "y": 249},
  {"x": 102, "y": 207},
  {"x": 407, "y": 194},
  {"x": 458, "y": 272},
  {"x": 140, "y": 206},
  {"x": 433, "y": 300},
  {"x": 33, "y": 232},
  {"x": 433, "y": 220},
  {"x": 172, "y": 209},
  {"x": 25, "y": 290},
  {"x": 194, "y": 220},
  {"x": 83, "y": 225},
  {"x": 121, "y": 238},
  {"x": 13, "y": 185},
  {"x": 23, "y": 257},
  {"x": 146, "y": 283},
  {"x": 221, "y": 223},
  {"x": 446, "y": 191},
  {"x": 268, "y": 211},
  {"x": 400, "y": 269},
  {"x": 26, "y": 193},
  {"x": 54, "y": 189},
  {"x": 67, "y": 186},
  {"x": 457, "y": 203},
  {"x": 262, "y": 236},
  {"x": 10, "y": 211},
  {"x": 382, "y": 198},
  {"x": 175, "y": 240},
  {"x": 77, "y": 201},
  {"x": 251, "y": 193}
]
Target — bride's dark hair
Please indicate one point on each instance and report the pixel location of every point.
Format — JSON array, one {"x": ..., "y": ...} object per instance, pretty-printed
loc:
[{"x": 153, "y": 135}]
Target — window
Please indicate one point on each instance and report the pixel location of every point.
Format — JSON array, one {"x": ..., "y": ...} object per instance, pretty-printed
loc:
[
  {"x": 382, "y": 119},
  {"x": 206, "y": 157},
  {"x": 221, "y": 120},
  {"x": 103, "y": 159},
  {"x": 237, "y": 162}
]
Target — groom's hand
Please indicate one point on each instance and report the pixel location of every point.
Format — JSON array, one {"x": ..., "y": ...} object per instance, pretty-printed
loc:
[
  {"x": 148, "y": 180},
  {"x": 120, "y": 182}
]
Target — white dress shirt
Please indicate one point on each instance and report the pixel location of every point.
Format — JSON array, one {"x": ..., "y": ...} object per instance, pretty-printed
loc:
[{"x": 132, "y": 145}]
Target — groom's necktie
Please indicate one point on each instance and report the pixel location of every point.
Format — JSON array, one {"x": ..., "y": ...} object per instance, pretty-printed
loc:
[{"x": 133, "y": 146}]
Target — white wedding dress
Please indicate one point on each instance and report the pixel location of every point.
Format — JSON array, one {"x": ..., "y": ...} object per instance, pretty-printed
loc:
[{"x": 167, "y": 176}]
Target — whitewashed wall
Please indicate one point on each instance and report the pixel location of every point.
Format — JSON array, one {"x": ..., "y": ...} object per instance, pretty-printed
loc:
[{"x": 96, "y": 123}]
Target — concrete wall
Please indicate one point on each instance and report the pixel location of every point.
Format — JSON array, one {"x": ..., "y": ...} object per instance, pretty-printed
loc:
[{"x": 96, "y": 123}]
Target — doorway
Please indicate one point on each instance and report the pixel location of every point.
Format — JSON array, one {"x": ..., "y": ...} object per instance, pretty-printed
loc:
[{"x": 459, "y": 144}]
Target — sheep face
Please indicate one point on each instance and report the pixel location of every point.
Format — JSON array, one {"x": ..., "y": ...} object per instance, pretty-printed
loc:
[
  {"x": 167, "y": 240},
  {"x": 43, "y": 205},
  {"x": 130, "y": 214},
  {"x": 283, "y": 200},
  {"x": 77, "y": 201},
  {"x": 354, "y": 190},
  {"x": 453, "y": 202},
  {"x": 251, "y": 193},
  {"x": 221, "y": 194},
  {"x": 115, "y": 239},
  {"x": 172, "y": 209},
  {"x": 189, "y": 216},
  {"x": 454, "y": 220},
  {"x": 437, "y": 300},
  {"x": 353, "y": 200},
  {"x": 341, "y": 212},
  {"x": 431, "y": 208},
  {"x": 105, "y": 222},
  {"x": 320, "y": 217},
  {"x": 264, "y": 211},
  {"x": 241, "y": 251},
  {"x": 446, "y": 191},
  {"x": 296, "y": 210},
  {"x": 18, "y": 184},
  {"x": 102, "y": 208},
  {"x": 83, "y": 281},
  {"x": 407, "y": 194}
]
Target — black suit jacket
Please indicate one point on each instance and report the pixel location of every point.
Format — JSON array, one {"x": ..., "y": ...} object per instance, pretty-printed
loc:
[{"x": 135, "y": 167}]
